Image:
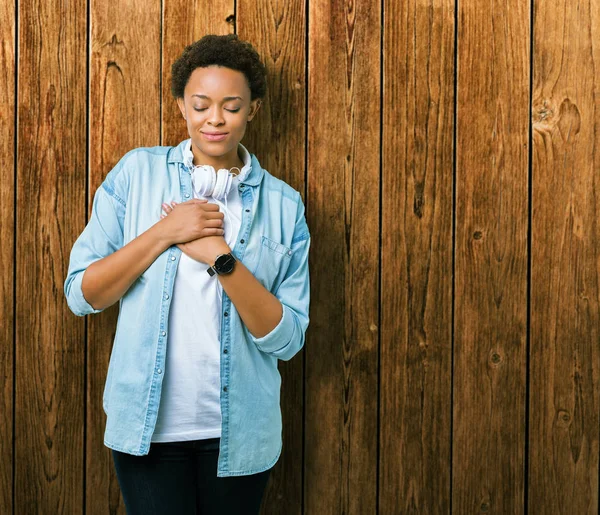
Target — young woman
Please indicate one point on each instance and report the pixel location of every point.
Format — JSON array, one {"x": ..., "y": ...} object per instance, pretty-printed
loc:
[{"x": 207, "y": 254}]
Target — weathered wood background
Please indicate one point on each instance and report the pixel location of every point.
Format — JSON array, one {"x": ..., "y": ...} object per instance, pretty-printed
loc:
[{"x": 448, "y": 153}]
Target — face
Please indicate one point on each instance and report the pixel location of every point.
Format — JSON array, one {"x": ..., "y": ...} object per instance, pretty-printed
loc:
[{"x": 217, "y": 100}]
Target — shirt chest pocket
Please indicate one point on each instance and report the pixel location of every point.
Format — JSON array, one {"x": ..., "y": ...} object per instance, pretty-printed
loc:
[{"x": 272, "y": 264}]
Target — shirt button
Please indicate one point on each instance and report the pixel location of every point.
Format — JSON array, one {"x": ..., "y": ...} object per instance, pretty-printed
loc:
[
  {"x": 164, "y": 333},
  {"x": 289, "y": 253},
  {"x": 226, "y": 314},
  {"x": 166, "y": 296},
  {"x": 172, "y": 258},
  {"x": 187, "y": 195},
  {"x": 247, "y": 210},
  {"x": 224, "y": 388},
  {"x": 224, "y": 351},
  {"x": 241, "y": 241},
  {"x": 159, "y": 371}
]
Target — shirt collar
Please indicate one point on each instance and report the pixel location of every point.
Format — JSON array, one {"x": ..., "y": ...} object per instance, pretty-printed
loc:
[{"x": 250, "y": 174}]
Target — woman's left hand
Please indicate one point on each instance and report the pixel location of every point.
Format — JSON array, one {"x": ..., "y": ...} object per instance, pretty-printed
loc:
[{"x": 205, "y": 249}]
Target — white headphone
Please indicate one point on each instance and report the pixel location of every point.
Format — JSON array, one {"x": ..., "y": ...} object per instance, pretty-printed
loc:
[{"x": 207, "y": 183}]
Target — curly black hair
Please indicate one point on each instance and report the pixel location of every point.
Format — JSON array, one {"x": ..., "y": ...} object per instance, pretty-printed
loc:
[{"x": 228, "y": 51}]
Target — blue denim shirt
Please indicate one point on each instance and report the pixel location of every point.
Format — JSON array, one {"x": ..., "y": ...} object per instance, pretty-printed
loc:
[{"x": 273, "y": 243}]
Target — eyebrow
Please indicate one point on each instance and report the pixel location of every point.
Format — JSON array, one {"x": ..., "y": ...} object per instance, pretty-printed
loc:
[{"x": 224, "y": 98}]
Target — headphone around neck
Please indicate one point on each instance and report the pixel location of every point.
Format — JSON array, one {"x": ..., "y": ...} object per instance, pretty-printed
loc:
[{"x": 209, "y": 183}]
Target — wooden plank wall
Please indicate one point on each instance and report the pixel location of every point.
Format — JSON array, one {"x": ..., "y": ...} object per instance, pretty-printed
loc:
[
  {"x": 490, "y": 302},
  {"x": 50, "y": 346},
  {"x": 447, "y": 155},
  {"x": 565, "y": 256},
  {"x": 7, "y": 221},
  {"x": 416, "y": 303}
]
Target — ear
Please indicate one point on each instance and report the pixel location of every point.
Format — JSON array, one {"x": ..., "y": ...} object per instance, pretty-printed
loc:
[
  {"x": 181, "y": 106},
  {"x": 254, "y": 107}
]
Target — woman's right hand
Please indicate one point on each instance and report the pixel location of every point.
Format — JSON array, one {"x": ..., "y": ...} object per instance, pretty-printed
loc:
[{"x": 190, "y": 220}]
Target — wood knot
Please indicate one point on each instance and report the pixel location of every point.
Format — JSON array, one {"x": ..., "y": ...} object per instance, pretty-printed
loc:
[
  {"x": 543, "y": 113},
  {"x": 569, "y": 121}
]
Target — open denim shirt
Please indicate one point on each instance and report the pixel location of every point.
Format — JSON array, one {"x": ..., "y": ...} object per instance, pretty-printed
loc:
[{"x": 273, "y": 243}]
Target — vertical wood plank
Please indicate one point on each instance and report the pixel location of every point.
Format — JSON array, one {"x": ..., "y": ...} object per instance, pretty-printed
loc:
[
  {"x": 343, "y": 192},
  {"x": 124, "y": 114},
  {"x": 565, "y": 259},
  {"x": 277, "y": 31},
  {"x": 491, "y": 257},
  {"x": 183, "y": 23},
  {"x": 50, "y": 342},
  {"x": 416, "y": 276},
  {"x": 7, "y": 207}
]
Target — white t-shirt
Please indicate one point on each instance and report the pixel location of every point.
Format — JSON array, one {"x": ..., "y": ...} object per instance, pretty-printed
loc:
[{"x": 190, "y": 406}]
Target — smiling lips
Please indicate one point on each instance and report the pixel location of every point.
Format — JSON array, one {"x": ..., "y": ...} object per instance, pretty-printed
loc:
[{"x": 215, "y": 136}]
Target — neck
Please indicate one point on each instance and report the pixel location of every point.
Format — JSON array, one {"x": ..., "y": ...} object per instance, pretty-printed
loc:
[{"x": 227, "y": 161}]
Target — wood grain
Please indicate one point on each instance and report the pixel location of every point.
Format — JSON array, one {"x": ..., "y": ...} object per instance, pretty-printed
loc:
[
  {"x": 565, "y": 257},
  {"x": 124, "y": 114},
  {"x": 50, "y": 345},
  {"x": 7, "y": 210},
  {"x": 416, "y": 258},
  {"x": 461, "y": 375},
  {"x": 277, "y": 30},
  {"x": 343, "y": 192},
  {"x": 490, "y": 303}
]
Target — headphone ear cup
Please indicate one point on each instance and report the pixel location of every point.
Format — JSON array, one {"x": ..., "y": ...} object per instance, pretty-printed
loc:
[
  {"x": 203, "y": 179},
  {"x": 223, "y": 184}
]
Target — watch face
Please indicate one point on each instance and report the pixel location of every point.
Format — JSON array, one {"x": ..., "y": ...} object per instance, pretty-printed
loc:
[{"x": 224, "y": 263}]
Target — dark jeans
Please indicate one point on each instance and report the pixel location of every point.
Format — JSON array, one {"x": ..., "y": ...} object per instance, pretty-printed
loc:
[{"x": 180, "y": 478}]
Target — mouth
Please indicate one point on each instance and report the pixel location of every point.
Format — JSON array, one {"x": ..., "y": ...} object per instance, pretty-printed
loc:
[{"x": 215, "y": 136}]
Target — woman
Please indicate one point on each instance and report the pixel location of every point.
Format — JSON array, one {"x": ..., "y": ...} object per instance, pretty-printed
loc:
[{"x": 207, "y": 254}]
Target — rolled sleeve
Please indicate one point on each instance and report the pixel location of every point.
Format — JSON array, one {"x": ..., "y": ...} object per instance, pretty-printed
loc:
[
  {"x": 282, "y": 332},
  {"x": 75, "y": 299},
  {"x": 102, "y": 236},
  {"x": 287, "y": 338}
]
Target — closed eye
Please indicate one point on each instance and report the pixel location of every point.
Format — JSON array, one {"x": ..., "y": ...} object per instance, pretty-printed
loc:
[{"x": 205, "y": 108}]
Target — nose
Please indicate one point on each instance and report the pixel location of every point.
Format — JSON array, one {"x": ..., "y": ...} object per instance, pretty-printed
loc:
[{"x": 215, "y": 117}]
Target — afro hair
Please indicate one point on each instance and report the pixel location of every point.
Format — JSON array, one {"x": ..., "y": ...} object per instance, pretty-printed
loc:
[{"x": 228, "y": 51}]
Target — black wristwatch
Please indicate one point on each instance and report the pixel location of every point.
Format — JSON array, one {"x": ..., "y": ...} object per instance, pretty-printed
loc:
[{"x": 223, "y": 265}]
